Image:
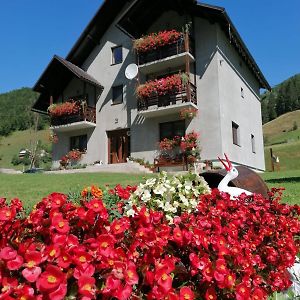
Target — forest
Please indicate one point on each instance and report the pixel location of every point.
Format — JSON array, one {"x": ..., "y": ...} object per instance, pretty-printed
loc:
[
  {"x": 283, "y": 98},
  {"x": 15, "y": 111}
]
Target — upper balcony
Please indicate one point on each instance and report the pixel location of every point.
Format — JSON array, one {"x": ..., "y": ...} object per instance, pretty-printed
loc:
[
  {"x": 154, "y": 58},
  {"x": 166, "y": 96},
  {"x": 72, "y": 115}
]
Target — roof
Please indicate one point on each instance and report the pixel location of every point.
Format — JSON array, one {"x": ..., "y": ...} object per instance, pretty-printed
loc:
[
  {"x": 54, "y": 79},
  {"x": 110, "y": 9}
]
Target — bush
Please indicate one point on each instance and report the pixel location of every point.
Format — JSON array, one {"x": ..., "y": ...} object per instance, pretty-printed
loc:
[{"x": 223, "y": 249}]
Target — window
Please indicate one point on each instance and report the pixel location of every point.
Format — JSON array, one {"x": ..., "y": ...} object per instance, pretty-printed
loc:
[
  {"x": 242, "y": 93},
  {"x": 78, "y": 142},
  {"x": 171, "y": 129},
  {"x": 117, "y": 94},
  {"x": 235, "y": 134},
  {"x": 117, "y": 55},
  {"x": 253, "y": 143}
]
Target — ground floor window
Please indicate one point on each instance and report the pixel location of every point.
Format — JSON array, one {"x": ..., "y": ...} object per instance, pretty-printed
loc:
[
  {"x": 79, "y": 142},
  {"x": 171, "y": 129}
]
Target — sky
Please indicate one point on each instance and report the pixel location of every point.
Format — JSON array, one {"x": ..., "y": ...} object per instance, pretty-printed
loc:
[{"x": 32, "y": 31}]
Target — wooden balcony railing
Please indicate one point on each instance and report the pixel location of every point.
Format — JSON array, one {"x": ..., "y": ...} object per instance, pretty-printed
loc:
[
  {"x": 184, "y": 44},
  {"x": 86, "y": 113},
  {"x": 186, "y": 94}
]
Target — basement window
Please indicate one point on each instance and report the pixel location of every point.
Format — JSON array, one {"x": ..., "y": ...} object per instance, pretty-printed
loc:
[
  {"x": 235, "y": 134},
  {"x": 78, "y": 142},
  {"x": 117, "y": 55}
]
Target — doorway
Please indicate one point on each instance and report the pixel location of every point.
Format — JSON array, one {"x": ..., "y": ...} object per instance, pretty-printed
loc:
[{"x": 118, "y": 146}]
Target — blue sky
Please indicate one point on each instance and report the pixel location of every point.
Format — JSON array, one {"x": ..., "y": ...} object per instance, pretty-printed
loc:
[{"x": 32, "y": 31}]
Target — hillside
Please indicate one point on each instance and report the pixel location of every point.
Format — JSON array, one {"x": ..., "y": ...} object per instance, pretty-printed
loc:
[
  {"x": 15, "y": 111},
  {"x": 11, "y": 145},
  {"x": 285, "y": 97},
  {"x": 282, "y": 136}
]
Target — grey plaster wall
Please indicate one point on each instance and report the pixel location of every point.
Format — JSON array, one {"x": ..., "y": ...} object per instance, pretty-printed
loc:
[{"x": 242, "y": 108}]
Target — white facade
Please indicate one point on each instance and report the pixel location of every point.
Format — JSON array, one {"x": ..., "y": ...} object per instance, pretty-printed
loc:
[{"x": 227, "y": 91}]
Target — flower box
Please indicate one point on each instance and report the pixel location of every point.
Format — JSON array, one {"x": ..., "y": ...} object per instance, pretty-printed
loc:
[
  {"x": 164, "y": 86},
  {"x": 154, "y": 41}
]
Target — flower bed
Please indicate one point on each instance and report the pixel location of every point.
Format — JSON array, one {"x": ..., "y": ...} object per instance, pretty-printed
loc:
[
  {"x": 217, "y": 249},
  {"x": 160, "y": 87},
  {"x": 156, "y": 40}
]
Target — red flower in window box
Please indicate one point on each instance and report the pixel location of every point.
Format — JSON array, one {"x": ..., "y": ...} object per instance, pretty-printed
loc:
[
  {"x": 156, "y": 40},
  {"x": 164, "y": 86}
]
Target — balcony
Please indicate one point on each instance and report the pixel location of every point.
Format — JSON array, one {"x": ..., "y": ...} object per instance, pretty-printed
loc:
[
  {"x": 171, "y": 103},
  {"x": 71, "y": 116},
  {"x": 169, "y": 56}
]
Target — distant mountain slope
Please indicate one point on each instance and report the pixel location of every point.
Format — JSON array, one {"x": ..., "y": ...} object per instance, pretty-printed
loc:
[
  {"x": 284, "y": 97},
  {"x": 283, "y": 136},
  {"x": 15, "y": 111}
]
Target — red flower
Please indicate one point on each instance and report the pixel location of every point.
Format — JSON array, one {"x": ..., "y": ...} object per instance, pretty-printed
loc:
[
  {"x": 61, "y": 225},
  {"x": 106, "y": 244},
  {"x": 31, "y": 274},
  {"x": 7, "y": 214},
  {"x": 210, "y": 294},
  {"x": 164, "y": 280},
  {"x": 242, "y": 292},
  {"x": 15, "y": 263},
  {"x": 86, "y": 286},
  {"x": 186, "y": 294},
  {"x": 51, "y": 279},
  {"x": 8, "y": 253}
]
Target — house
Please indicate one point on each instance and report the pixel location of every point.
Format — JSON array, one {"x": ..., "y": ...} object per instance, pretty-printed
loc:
[{"x": 111, "y": 123}]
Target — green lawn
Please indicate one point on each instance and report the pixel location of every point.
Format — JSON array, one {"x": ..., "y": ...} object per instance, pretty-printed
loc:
[
  {"x": 31, "y": 188},
  {"x": 289, "y": 156},
  {"x": 290, "y": 180}
]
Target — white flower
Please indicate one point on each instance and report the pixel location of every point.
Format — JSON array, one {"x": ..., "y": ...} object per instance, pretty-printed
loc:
[
  {"x": 169, "y": 219},
  {"x": 150, "y": 182},
  {"x": 130, "y": 213},
  {"x": 146, "y": 196},
  {"x": 159, "y": 190}
]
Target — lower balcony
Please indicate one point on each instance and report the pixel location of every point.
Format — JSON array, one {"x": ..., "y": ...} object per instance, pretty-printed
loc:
[
  {"x": 84, "y": 119},
  {"x": 170, "y": 103}
]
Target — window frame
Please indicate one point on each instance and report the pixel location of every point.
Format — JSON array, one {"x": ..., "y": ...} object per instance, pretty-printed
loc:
[
  {"x": 235, "y": 128},
  {"x": 161, "y": 137},
  {"x": 84, "y": 136},
  {"x": 113, "y": 88},
  {"x": 113, "y": 57}
]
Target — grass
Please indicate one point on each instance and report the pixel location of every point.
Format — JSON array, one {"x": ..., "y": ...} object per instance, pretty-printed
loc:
[
  {"x": 283, "y": 123},
  {"x": 289, "y": 156},
  {"x": 11, "y": 145},
  {"x": 31, "y": 188},
  {"x": 290, "y": 180}
]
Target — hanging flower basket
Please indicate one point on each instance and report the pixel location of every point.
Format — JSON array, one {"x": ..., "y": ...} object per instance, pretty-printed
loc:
[
  {"x": 156, "y": 40},
  {"x": 188, "y": 113}
]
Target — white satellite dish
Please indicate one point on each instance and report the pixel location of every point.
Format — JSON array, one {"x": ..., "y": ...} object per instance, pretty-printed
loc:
[{"x": 131, "y": 71}]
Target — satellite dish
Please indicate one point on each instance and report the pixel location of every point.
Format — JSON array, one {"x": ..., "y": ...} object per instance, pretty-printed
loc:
[{"x": 131, "y": 71}]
